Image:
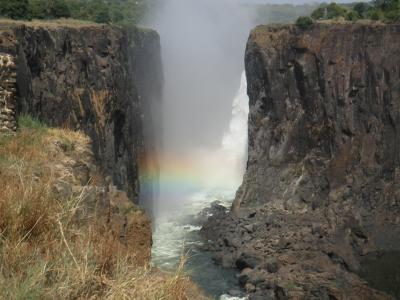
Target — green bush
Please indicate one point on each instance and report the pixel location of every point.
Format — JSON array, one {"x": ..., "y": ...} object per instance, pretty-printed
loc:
[
  {"x": 304, "y": 22},
  {"x": 352, "y": 16}
]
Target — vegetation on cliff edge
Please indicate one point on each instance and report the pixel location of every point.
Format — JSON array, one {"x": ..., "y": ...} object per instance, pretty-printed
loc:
[
  {"x": 50, "y": 246},
  {"x": 100, "y": 11},
  {"x": 377, "y": 10}
]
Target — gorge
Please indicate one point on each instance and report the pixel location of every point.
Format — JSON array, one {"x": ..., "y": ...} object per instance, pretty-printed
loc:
[{"x": 317, "y": 214}]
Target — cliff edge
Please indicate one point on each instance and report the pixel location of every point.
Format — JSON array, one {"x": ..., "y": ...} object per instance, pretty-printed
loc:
[
  {"x": 79, "y": 114},
  {"x": 102, "y": 80},
  {"x": 321, "y": 189}
]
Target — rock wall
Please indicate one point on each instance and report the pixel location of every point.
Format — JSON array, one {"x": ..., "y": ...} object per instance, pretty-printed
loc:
[
  {"x": 321, "y": 188},
  {"x": 102, "y": 80},
  {"x": 325, "y": 101},
  {"x": 7, "y": 94}
]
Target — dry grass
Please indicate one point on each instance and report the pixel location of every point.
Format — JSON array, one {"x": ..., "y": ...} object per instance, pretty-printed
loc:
[
  {"x": 71, "y": 23},
  {"x": 45, "y": 253},
  {"x": 99, "y": 99}
]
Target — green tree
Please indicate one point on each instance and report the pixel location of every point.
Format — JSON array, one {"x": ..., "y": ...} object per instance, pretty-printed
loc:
[
  {"x": 392, "y": 12},
  {"x": 15, "y": 9},
  {"x": 38, "y": 9},
  {"x": 334, "y": 10},
  {"x": 375, "y": 14},
  {"x": 117, "y": 16},
  {"x": 352, "y": 16},
  {"x": 304, "y": 22},
  {"x": 59, "y": 9},
  {"x": 102, "y": 15},
  {"x": 319, "y": 13},
  {"x": 49, "y": 9},
  {"x": 393, "y": 15},
  {"x": 386, "y": 4},
  {"x": 361, "y": 9}
]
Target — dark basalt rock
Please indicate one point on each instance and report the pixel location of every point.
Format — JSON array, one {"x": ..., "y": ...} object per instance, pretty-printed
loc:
[
  {"x": 321, "y": 187},
  {"x": 103, "y": 80}
]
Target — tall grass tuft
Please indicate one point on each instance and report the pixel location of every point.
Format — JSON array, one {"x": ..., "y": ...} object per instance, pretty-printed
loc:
[{"x": 27, "y": 121}]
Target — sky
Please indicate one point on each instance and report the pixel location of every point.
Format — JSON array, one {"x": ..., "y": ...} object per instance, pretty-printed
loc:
[{"x": 297, "y": 1}]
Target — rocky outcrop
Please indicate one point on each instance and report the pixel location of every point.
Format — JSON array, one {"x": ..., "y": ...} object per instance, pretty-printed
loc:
[
  {"x": 321, "y": 189},
  {"x": 102, "y": 80},
  {"x": 7, "y": 94}
]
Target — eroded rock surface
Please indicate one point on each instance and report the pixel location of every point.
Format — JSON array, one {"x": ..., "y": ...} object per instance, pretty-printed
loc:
[
  {"x": 103, "y": 80},
  {"x": 321, "y": 188}
]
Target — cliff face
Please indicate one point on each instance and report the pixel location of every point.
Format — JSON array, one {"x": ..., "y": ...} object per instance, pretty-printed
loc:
[
  {"x": 327, "y": 98},
  {"x": 102, "y": 80},
  {"x": 321, "y": 188}
]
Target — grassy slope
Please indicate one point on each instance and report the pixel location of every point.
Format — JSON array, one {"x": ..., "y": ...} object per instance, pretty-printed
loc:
[{"x": 45, "y": 253}]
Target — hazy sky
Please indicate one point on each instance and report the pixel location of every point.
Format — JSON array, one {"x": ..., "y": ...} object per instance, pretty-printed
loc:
[{"x": 296, "y": 1}]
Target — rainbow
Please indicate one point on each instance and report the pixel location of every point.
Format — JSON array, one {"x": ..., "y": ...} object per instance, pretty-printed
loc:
[{"x": 179, "y": 175}]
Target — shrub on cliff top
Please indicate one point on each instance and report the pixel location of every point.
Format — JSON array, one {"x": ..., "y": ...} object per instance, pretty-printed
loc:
[
  {"x": 352, "y": 16},
  {"x": 304, "y": 22}
]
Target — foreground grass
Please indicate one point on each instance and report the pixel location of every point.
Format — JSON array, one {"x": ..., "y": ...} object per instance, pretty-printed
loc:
[{"x": 46, "y": 252}]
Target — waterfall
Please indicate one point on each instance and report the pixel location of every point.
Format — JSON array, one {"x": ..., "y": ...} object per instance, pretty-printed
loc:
[
  {"x": 188, "y": 184},
  {"x": 204, "y": 169},
  {"x": 204, "y": 136},
  {"x": 234, "y": 142},
  {"x": 224, "y": 167}
]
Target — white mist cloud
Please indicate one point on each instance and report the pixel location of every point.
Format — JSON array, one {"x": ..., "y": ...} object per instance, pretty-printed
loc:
[{"x": 203, "y": 52}]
